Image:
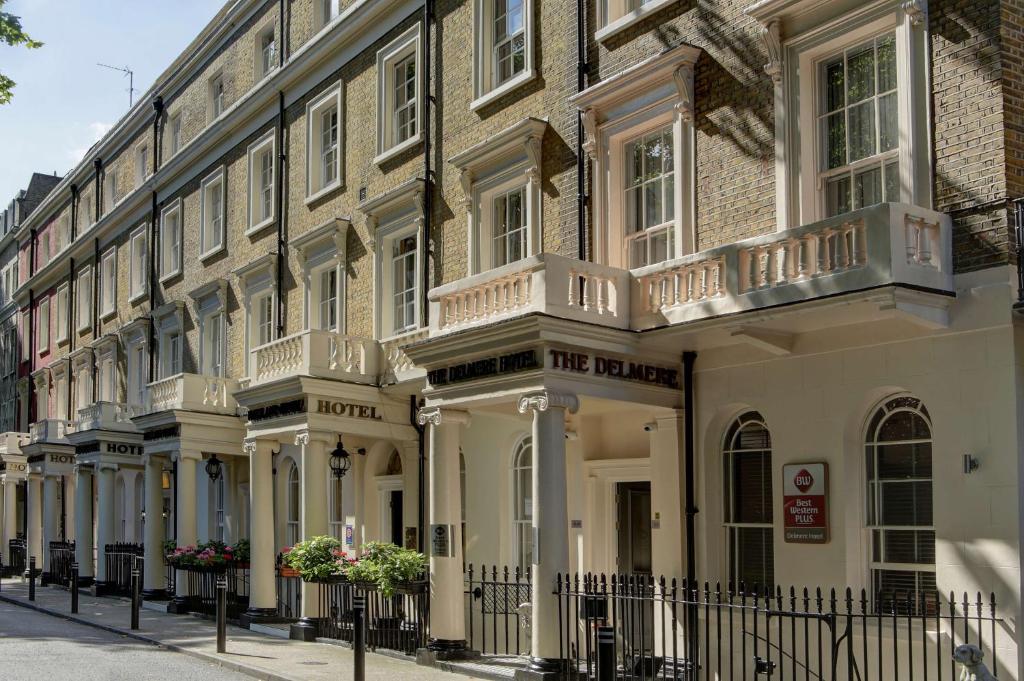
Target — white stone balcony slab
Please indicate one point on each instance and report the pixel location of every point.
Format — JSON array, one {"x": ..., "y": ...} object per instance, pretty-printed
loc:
[
  {"x": 883, "y": 245},
  {"x": 48, "y": 430},
  {"x": 192, "y": 392},
  {"x": 105, "y": 416},
  {"x": 316, "y": 353}
]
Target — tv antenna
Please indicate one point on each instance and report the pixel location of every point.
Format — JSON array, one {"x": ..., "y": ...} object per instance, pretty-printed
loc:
[{"x": 131, "y": 79}]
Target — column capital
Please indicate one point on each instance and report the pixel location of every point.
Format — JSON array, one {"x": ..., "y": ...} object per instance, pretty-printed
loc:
[
  {"x": 543, "y": 400},
  {"x": 249, "y": 446},
  {"x": 436, "y": 415},
  {"x": 83, "y": 468},
  {"x": 102, "y": 466},
  {"x": 155, "y": 458},
  {"x": 305, "y": 436},
  {"x": 183, "y": 455}
]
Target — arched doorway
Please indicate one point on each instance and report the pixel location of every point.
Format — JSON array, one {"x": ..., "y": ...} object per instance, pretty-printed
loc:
[{"x": 391, "y": 496}]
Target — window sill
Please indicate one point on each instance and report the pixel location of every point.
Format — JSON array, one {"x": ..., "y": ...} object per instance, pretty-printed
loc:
[
  {"x": 170, "y": 275},
  {"x": 137, "y": 297},
  {"x": 259, "y": 226},
  {"x": 83, "y": 329},
  {"x": 321, "y": 193},
  {"x": 408, "y": 333},
  {"x": 203, "y": 257},
  {"x": 107, "y": 314},
  {"x": 624, "y": 22},
  {"x": 498, "y": 92},
  {"x": 62, "y": 341},
  {"x": 394, "y": 151}
]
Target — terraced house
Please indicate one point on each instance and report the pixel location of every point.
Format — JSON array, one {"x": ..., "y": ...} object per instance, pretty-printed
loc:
[{"x": 720, "y": 291}]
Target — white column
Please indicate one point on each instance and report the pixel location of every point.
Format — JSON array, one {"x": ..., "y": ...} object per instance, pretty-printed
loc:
[
  {"x": 358, "y": 475},
  {"x": 10, "y": 526},
  {"x": 130, "y": 503},
  {"x": 83, "y": 522},
  {"x": 447, "y": 612},
  {"x": 186, "y": 520},
  {"x": 550, "y": 521},
  {"x": 70, "y": 507},
  {"x": 51, "y": 517},
  {"x": 313, "y": 508},
  {"x": 204, "y": 502},
  {"x": 34, "y": 538},
  {"x": 263, "y": 589},
  {"x": 667, "y": 498},
  {"x": 154, "y": 582},
  {"x": 105, "y": 528},
  {"x": 410, "y": 488}
]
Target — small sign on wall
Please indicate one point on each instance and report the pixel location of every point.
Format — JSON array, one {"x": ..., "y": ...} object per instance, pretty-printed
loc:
[
  {"x": 440, "y": 541},
  {"x": 349, "y": 540},
  {"x": 805, "y": 503}
]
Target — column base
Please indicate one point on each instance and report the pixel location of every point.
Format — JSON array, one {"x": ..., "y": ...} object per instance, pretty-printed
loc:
[
  {"x": 259, "y": 616},
  {"x": 85, "y": 582},
  {"x": 441, "y": 650},
  {"x": 178, "y": 606},
  {"x": 304, "y": 630},
  {"x": 546, "y": 669},
  {"x": 155, "y": 595}
]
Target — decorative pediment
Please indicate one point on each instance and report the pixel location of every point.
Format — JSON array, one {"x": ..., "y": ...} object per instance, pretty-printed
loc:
[
  {"x": 520, "y": 141},
  {"x": 405, "y": 198},
  {"x": 218, "y": 287},
  {"x": 334, "y": 229}
]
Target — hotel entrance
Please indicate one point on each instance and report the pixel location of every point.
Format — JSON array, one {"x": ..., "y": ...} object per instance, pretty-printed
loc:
[{"x": 633, "y": 527}]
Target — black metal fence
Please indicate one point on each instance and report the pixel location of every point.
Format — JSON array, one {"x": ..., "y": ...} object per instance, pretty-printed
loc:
[
  {"x": 289, "y": 593},
  {"x": 1018, "y": 235},
  {"x": 16, "y": 562},
  {"x": 397, "y": 622},
  {"x": 494, "y": 623},
  {"x": 169, "y": 578},
  {"x": 62, "y": 555},
  {"x": 202, "y": 589},
  {"x": 669, "y": 630},
  {"x": 119, "y": 559}
]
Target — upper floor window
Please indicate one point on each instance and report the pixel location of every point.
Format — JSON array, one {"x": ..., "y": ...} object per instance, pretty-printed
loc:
[
  {"x": 44, "y": 249},
  {"x": 170, "y": 241},
  {"x": 170, "y": 339},
  {"x": 398, "y": 95},
  {"x": 747, "y": 460},
  {"x": 170, "y": 353},
  {"x": 326, "y": 294},
  {"x": 175, "y": 133},
  {"x": 323, "y": 156},
  {"x": 326, "y": 11},
  {"x": 109, "y": 190},
  {"x": 63, "y": 232},
  {"x": 43, "y": 326},
  {"x": 403, "y": 282},
  {"x": 648, "y": 197},
  {"x": 138, "y": 283},
  {"x": 141, "y": 163},
  {"x": 266, "y": 52},
  {"x": 108, "y": 282},
  {"x": 217, "y": 101},
  {"x": 503, "y": 57},
  {"x": 509, "y": 237},
  {"x": 615, "y": 16},
  {"x": 263, "y": 328},
  {"x": 137, "y": 367},
  {"x": 212, "y": 331},
  {"x": 62, "y": 313},
  {"x": 261, "y": 182},
  {"x": 211, "y": 202},
  {"x": 83, "y": 300},
  {"x": 898, "y": 449}
]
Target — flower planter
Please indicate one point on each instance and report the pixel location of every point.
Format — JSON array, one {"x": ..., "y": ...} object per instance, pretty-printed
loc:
[
  {"x": 286, "y": 571},
  {"x": 412, "y": 588}
]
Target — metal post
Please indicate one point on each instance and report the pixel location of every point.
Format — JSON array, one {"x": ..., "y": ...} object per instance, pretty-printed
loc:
[
  {"x": 136, "y": 593},
  {"x": 74, "y": 588},
  {"x": 222, "y": 614},
  {"x": 605, "y": 654},
  {"x": 358, "y": 640},
  {"x": 32, "y": 578}
]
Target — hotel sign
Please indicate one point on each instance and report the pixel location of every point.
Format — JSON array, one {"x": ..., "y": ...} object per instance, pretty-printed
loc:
[
  {"x": 611, "y": 367},
  {"x": 358, "y": 411},
  {"x": 805, "y": 503},
  {"x": 484, "y": 368}
]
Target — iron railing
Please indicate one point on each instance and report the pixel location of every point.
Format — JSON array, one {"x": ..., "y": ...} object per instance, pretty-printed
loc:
[
  {"x": 16, "y": 562},
  {"x": 397, "y": 622},
  {"x": 670, "y": 630},
  {"x": 289, "y": 593},
  {"x": 120, "y": 558},
  {"x": 62, "y": 555},
  {"x": 494, "y": 622},
  {"x": 202, "y": 589},
  {"x": 169, "y": 577}
]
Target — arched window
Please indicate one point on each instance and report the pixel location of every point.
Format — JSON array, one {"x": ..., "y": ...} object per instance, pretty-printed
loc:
[
  {"x": 292, "y": 524},
  {"x": 335, "y": 512},
  {"x": 747, "y": 458},
  {"x": 394, "y": 464},
  {"x": 898, "y": 448},
  {"x": 522, "y": 501}
]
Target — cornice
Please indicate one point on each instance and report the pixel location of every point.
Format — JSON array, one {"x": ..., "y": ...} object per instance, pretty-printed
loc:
[{"x": 636, "y": 79}]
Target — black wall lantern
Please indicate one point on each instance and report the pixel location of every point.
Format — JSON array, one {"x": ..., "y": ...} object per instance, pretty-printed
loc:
[
  {"x": 341, "y": 461},
  {"x": 213, "y": 465}
]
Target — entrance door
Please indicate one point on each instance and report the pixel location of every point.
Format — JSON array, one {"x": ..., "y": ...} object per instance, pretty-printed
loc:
[
  {"x": 633, "y": 523},
  {"x": 396, "y": 518}
]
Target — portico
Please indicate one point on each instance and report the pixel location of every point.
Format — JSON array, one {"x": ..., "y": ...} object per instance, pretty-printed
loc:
[{"x": 13, "y": 487}]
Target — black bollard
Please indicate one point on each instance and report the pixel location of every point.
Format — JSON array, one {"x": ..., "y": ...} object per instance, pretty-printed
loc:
[
  {"x": 32, "y": 578},
  {"x": 74, "y": 588},
  {"x": 222, "y": 614},
  {"x": 358, "y": 640},
  {"x": 136, "y": 594},
  {"x": 605, "y": 654}
]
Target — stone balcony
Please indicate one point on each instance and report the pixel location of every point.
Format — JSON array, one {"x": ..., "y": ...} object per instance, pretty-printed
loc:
[
  {"x": 316, "y": 353},
  {"x": 48, "y": 430},
  {"x": 882, "y": 245},
  {"x": 191, "y": 392},
  {"x": 106, "y": 416}
]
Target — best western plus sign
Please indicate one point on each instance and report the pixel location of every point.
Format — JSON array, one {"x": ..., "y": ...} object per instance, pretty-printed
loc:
[{"x": 805, "y": 503}]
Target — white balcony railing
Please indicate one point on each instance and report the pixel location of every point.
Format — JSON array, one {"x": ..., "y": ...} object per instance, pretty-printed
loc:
[
  {"x": 321, "y": 354},
  {"x": 105, "y": 416},
  {"x": 192, "y": 392},
  {"x": 48, "y": 430}
]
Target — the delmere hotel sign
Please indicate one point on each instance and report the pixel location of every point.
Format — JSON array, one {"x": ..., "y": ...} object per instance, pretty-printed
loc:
[{"x": 572, "y": 361}]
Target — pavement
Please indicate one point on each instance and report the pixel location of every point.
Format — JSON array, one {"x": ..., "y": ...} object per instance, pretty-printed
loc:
[{"x": 252, "y": 654}]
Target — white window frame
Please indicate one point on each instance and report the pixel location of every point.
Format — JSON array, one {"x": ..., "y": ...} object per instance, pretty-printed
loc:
[
  {"x": 729, "y": 452},
  {"x": 403, "y": 46},
  {"x": 216, "y": 104},
  {"x": 138, "y": 282},
  {"x": 316, "y": 296},
  {"x": 261, "y": 66},
  {"x": 211, "y": 183},
  {"x": 108, "y": 283},
  {"x": 44, "y": 249},
  {"x": 141, "y": 164},
  {"x": 43, "y": 326},
  {"x": 326, "y": 11},
  {"x": 259, "y": 283},
  {"x": 293, "y": 498},
  {"x": 136, "y": 370},
  {"x": 109, "y": 189},
  {"x": 59, "y": 371},
  {"x": 485, "y": 90},
  {"x": 257, "y": 150},
  {"x": 388, "y": 239},
  {"x": 826, "y": 30},
  {"x": 169, "y": 322},
  {"x": 83, "y": 299},
  {"x": 171, "y": 242},
  {"x": 174, "y": 132},
  {"x": 316, "y": 188},
  {"x": 106, "y": 371},
  {"x": 320, "y": 249},
  {"x": 62, "y": 313},
  {"x": 522, "y": 523},
  {"x": 616, "y": 16}
]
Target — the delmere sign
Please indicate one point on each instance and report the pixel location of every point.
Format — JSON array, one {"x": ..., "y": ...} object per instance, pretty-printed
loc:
[{"x": 485, "y": 368}]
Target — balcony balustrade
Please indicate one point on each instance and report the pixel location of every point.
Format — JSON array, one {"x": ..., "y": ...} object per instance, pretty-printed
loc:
[
  {"x": 48, "y": 430},
  {"x": 105, "y": 416},
  {"x": 321, "y": 354},
  {"x": 192, "y": 392}
]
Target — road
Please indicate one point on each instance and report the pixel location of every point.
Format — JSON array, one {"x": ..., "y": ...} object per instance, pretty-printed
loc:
[{"x": 34, "y": 646}]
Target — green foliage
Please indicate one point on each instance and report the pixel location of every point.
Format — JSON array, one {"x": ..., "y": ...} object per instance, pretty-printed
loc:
[
  {"x": 315, "y": 558},
  {"x": 12, "y": 34},
  {"x": 387, "y": 566}
]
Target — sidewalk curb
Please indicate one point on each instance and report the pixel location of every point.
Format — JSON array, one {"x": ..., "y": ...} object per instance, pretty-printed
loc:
[{"x": 206, "y": 657}]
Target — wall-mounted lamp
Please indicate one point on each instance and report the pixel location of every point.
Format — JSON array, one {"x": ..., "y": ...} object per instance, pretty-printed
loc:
[{"x": 971, "y": 464}]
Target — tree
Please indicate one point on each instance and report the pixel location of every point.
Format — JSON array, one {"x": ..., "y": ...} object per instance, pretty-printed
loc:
[{"x": 12, "y": 34}]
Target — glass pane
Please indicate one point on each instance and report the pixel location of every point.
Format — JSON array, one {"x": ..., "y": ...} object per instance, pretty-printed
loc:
[
  {"x": 906, "y": 503},
  {"x": 835, "y": 140},
  {"x": 634, "y": 211},
  {"x": 837, "y": 195},
  {"x": 862, "y": 131},
  {"x": 652, "y": 157},
  {"x": 834, "y": 86},
  {"x": 751, "y": 486},
  {"x": 892, "y": 181},
  {"x": 652, "y": 204},
  {"x": 752, "y": 557},
  {"x": 501, "y": 215},
  {"x": 867, "y": 188},
  {"x": 860, "y": 71},
  {"x": 634, "y": 162},
  {"x": 887, "y": 63},
  {"x": 887, "y": 122},
  {"x": 902, "y": 461},
  {"x": 904, "y": 425},
  {"x": 514, "y": 16},
  {"x": 669, "y": 193}
]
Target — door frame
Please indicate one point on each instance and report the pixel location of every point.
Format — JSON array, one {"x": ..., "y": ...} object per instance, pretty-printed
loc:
[
  {"x": 601, "y": 478},
  {"x": 386, "y": 484}
]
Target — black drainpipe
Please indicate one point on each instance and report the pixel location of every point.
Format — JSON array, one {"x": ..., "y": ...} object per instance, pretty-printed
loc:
[
  {"x": 32, "y": 252},
  {"x": 428, "y": 17},
  {"x": 70, "y": 325},
  {"x": 281, "y": 212},
  {"x": 421, "y": 512},
  {"x": 98, "y": 166},
  {"x": 282, "y": 13},
  {"x": 31, "y": 355},
  {"x": 581, "y": 164},
  {"x": 158, "y": 109},
  {"x": 95, "y": 304},
  {"x": 689, "y": 357}
]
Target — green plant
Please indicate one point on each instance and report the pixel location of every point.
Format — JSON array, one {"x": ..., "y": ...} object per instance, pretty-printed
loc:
[
  {"x": 315, "y": 558},
  {"x": 386, "y": 566}
]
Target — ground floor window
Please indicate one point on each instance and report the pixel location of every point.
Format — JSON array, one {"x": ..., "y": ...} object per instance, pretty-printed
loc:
[
  {"x": 522, "y": 481},
  {"x": 747, "y": 459},
  {"x": 292, "y": 521}
]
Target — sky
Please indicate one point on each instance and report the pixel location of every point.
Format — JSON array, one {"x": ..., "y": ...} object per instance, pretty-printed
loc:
[{"x": 63, "y": 102}]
